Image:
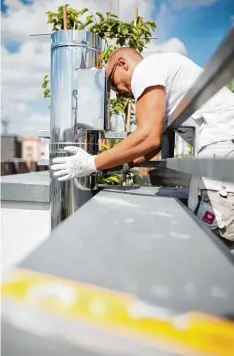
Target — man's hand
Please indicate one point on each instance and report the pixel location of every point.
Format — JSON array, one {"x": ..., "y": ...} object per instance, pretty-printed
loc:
[{"x": 80, "y": 165}]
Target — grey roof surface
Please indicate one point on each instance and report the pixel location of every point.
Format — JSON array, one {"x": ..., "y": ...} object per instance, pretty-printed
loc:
[
  {"x": 147, "y": 245},
  {"x": 132, "y": 240},
  {"x": 30, "y": 187}
]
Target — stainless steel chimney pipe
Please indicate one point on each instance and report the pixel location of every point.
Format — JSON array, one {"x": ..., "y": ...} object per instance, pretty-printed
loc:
[{"x": 71, "y": 51}]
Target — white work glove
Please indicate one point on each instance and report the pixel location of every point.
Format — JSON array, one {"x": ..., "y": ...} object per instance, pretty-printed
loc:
[{"x": 80, "y": 165}]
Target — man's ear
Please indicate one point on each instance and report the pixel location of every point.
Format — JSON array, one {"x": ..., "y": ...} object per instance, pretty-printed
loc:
[{"x": 122, "y": 63}]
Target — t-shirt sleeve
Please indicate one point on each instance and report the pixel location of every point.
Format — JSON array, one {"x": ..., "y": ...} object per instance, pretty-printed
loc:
[{"x": 145, "y": 76}]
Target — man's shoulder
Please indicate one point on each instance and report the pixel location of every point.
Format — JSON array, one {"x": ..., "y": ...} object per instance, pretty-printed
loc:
[
  {"x": 160, "y": 61},
  {"x": 163, "y": 58}
]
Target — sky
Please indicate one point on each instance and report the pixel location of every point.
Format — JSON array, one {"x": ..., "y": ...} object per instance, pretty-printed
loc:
[{"x": 191, "y": 27}]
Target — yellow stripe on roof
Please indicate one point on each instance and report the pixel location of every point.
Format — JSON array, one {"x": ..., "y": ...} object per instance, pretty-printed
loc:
[{"x": 124, "y": 314}]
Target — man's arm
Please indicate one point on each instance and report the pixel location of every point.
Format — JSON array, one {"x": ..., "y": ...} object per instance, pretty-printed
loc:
[
  {"x": 145, "y": 158},
  {"x": 150, "y": 112}
]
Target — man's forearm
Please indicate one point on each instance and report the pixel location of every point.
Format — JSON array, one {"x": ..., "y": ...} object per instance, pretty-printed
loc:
[
  {"x": 138, "y": 144},
  {"x": 145, "y": 158}
]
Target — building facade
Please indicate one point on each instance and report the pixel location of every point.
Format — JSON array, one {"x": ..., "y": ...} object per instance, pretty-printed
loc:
[{"x": 10, "y": 147}]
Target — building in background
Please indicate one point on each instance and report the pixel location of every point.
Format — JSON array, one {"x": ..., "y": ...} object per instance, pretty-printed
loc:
[
  {"x": 29, "y": 149},
  {"x": 21, "y": 155},
  {"x": 43, "y": 148},
  {"x": 11, "y": 161},
  {"x": 10, "y": 147}
]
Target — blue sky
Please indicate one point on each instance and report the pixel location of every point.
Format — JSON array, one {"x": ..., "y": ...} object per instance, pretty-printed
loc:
[
  {"x": 201, "y": 28},
  {"x": 198, "y": 25}
]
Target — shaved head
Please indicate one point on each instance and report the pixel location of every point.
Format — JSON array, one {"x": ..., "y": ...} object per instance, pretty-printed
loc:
[
  {"x": 125, "y": 52},
  {"x": 120, "y": 67}
]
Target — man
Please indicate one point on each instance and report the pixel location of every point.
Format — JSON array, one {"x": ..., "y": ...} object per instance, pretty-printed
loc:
[{"x": 157, "y": 84}]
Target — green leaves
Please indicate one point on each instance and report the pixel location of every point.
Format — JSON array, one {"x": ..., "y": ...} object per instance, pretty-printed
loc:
[
  {"x": 45, "y": 81},
  {"x": 104, "y": 147},
  {"x": 82, "y": 12},
  {"x": 44, "y": 85},
  {"x": 47, "y": 93},
  {"x": 152, "y": 24},
  {"x": 231, "y": 86},
  {"x": 99, "y": 14},
  {"x": 108, "y": 26},
  {"x": 114, "y": 179},
  {"x": 73, "y": 19},
  {"x": 118, "y": 106}
]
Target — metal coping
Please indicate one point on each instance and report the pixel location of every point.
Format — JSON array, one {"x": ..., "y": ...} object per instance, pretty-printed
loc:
[{"x": 221, "y": 169}]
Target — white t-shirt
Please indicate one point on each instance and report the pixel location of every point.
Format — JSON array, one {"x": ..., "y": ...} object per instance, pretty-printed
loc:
[
  {"x": 214, "y": 121},
  {"x": 177, "y": 73}
]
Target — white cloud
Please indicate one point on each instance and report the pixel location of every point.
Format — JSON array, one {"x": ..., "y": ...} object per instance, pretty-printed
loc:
[
  {"x": 32, "y": 123},
  {"x": 23, "y": 71},
  {"x": 22, "y": 107},
  {"x": 166, "y": 19},
  {"x": 172, "y": 45}
]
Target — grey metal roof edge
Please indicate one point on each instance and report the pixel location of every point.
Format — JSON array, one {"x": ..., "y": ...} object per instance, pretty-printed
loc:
[
  {"x": 27, "y": 187},
  {"x": 36, "y": 193}
]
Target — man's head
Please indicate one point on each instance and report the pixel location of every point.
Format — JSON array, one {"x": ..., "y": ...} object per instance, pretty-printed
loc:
[{"x": 119, "y": 70}]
